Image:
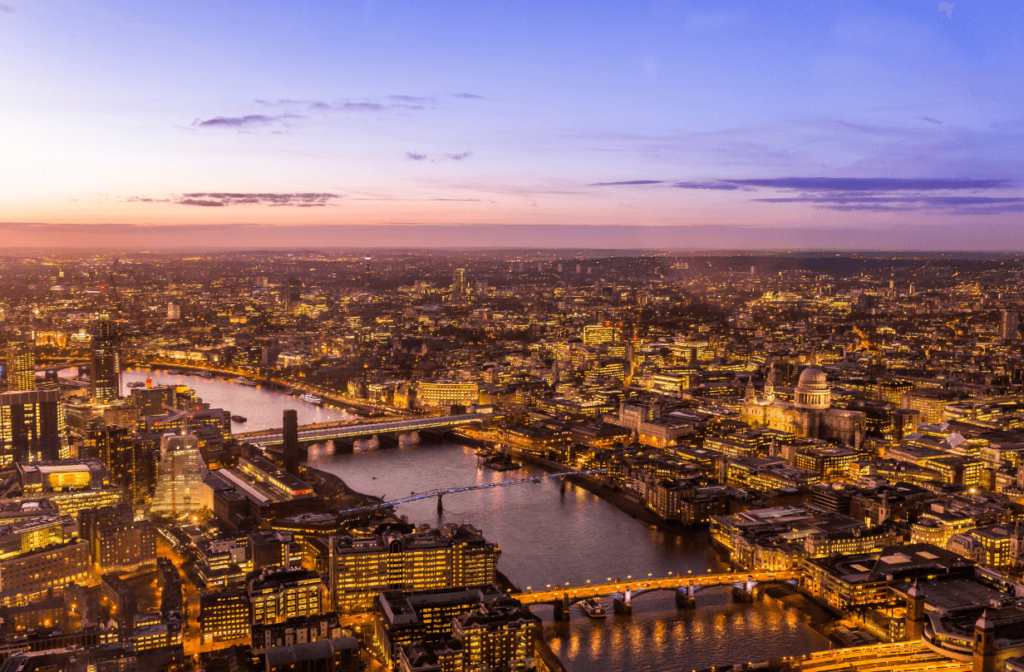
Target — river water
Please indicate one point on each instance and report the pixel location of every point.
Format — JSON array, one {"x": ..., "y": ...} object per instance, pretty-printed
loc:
[
  {"x": 550, "y": 537},
  {"x": 261, "y": 406}
]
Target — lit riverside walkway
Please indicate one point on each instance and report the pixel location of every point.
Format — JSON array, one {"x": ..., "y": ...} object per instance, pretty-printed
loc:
[
  {"x": 904, "y": 656},
  {"x": 641, "y": 585}
]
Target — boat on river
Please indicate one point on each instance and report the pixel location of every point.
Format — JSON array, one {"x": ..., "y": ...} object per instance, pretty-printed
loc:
[
  {"x": 592, "y": 607},
  {"x": 136, "y": 383},
  {"x": 311, "y": 398},
  {"x": 205, "y": 374},
  {"x": 246, "y": 382},
  {"x": 239, "y": 418}
]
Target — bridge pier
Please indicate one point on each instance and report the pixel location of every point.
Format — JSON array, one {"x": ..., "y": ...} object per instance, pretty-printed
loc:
[
  {"x": 342, "y": 447},
  {"x": 624, "y": 605},
  {"x": 744, "y": 592},
  {"x": 562, "y": 483},
  {"x": 408, "y": 439},
  {"x": 440, "y": 506},
  {"x": 368, "y": 443},
  {"x": 389, "y": 440},
  {"x": 685, "y": 597},
  {"x": 562, "y": 609}
]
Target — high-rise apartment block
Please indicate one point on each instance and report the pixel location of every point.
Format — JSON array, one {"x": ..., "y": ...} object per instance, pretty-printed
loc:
[
  {"x": 32, "y": 427},
  {"x": 21, "y": 367},
  {"x": 105, "y": 376},
  {"x": 1010, "y": 325}
]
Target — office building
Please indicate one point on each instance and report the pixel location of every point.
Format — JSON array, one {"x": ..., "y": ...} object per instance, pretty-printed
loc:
[
  {"x": 449, "y": 557},
  {"x": 173, "y": 311},
  {"x": 105, "y": 374},
  {"x": 122, "y": 544},
  {"x": 32, "y": 427},
  {"x": 37, "y": 572},
  {"x": 338, "y": 655},
  {"x": 291, "y": 294},
  {"x": 401, "y": 618},
  {"x": 130, "y": 459},
  {"x": 21, "y": 367},
  {"x": 296, "y": 630},
  {"x": 500, "y": 635},
  {"x": 1009, "y": 325},
  {"x": 438, "y": 393},
  {"x": 280, "y": 593},
  {"x": 224, "y": 615},
  {"x": 459, "y": 285},
  {"x": 179, "y": 484}
]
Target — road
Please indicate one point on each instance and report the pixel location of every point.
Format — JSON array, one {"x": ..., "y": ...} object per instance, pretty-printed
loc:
[{"x": 550, "y": 594}]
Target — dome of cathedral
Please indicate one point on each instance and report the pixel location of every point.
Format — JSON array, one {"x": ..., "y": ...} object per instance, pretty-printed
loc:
[
  {"x": 812, "y": 375},
  {"x": 812, "y": 391}
]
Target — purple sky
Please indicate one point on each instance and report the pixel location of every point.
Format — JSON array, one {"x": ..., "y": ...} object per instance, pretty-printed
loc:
[{"x": 774, "y": 125}]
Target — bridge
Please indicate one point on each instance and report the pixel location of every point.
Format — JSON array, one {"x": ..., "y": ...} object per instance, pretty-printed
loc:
[
  {"x": 685, "y": 587},
  {"x": 486, "y": 486},
  {"x": 369, "y": 430},
  {"x": 48, "y": 367}
]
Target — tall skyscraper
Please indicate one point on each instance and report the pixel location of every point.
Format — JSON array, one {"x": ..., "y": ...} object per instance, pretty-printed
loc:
[
  {"x": 32, "y": 427},
  {"x": 105, "y": 376},
  {"x": 291, "y": 441},
  {"x": 1010, "y": 326},
  {"x": 173, "y": 311},
  {"x": 459, "y": 285},
  {"x": 291, "y": 294},
  {"x": 367, "y": 273},
  {"x": 21, "y": 366}
]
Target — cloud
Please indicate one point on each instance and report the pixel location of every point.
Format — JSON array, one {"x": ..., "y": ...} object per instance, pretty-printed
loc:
[
  {"x": 627, "y": 183},
  {"x": 722, "y": 186},
  {"x": 411, "y": 99},
  {"x": 930, "y": 120},
  {"x": 204, "y": 203},
  {"x": 875, "y": 194},
  {"x": 247, "y": 121},
  {"x": 146, "y": 199},
  {"x": 223, "y": 199},
  {"x": 417, "y": 156},
  {"x": 6, "y": 9},
  {"x": 469, "y": 96},
  {"x": 872, "y": 183}
]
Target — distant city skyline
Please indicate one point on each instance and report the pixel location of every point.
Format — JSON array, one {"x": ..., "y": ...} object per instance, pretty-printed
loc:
[{"x": 782, "y": 125}]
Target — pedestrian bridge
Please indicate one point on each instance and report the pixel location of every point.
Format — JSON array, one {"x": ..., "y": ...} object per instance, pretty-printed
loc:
[
  {"x": 368, "y": 430},
  {"x": 685, "y": 587}
]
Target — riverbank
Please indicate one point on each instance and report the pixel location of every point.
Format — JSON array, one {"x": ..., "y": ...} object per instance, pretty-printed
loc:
[
  {"x": 336, "y": 494},
  {"x": 621, "y": 499}
]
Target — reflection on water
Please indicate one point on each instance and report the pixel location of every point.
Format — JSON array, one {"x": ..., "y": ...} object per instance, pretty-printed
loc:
[
  {"x": 550, "y": 537},
  {"x": 261, "y": 406}
]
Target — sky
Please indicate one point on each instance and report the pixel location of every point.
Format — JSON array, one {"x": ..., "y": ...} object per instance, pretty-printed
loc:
[{"x": 860, "y": 124}]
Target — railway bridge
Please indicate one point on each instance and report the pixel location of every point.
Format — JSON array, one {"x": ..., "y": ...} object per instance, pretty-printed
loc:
[
  {"x": 685, "y": 586},
  {"x": 350, "y": 432}
]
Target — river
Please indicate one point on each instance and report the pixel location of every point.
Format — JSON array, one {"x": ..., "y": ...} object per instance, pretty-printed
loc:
[
  {"x": 261, "y": 406},
  {"x": 550, "y": 537}
]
